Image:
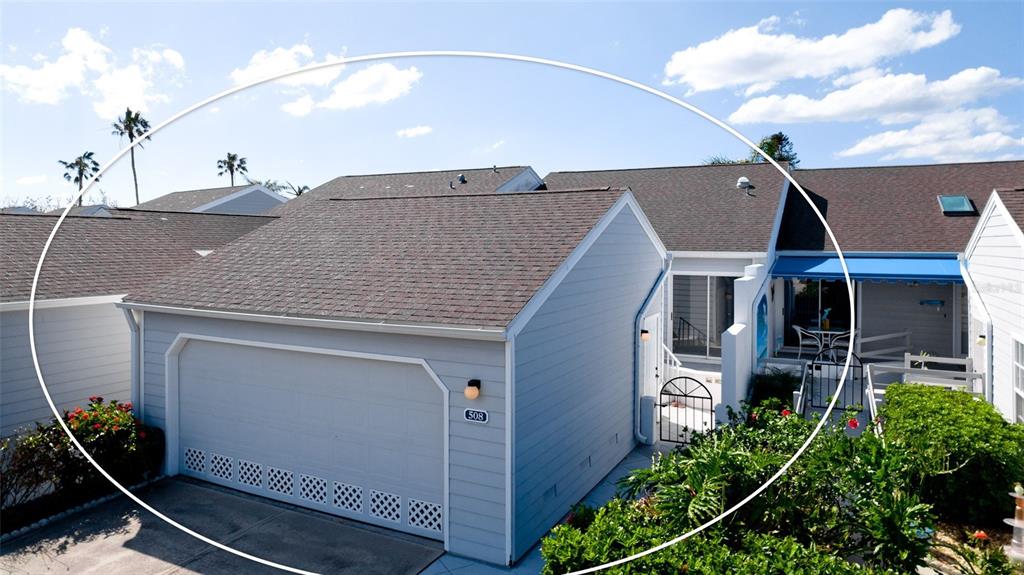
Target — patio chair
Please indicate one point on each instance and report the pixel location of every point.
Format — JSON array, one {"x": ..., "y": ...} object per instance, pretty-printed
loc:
[
  {"x": 835, "y": 342},
  {"x": 805, "y": 335}
]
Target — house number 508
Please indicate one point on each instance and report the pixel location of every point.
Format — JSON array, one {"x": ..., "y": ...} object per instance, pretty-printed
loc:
[{"x": 475, "y": 415}]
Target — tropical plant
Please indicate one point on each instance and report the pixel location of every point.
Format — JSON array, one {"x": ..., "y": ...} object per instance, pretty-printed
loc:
[
  {"x": 272, "y": 185},
  {"x": 230, "y": 165},
  {"x": 296, "y": 190},
  {"x": 79, "y": 170},
  {"x": 134, "y": 126}
]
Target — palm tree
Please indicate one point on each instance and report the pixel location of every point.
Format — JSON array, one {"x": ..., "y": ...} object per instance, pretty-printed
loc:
[
  {"x": 297, "y": 190},
  {"x": 231, "y": 164},
  {"x": 272, "y": 185},
  {"x": 133, "y": 125},
  {"x": 79, "y": 170}
]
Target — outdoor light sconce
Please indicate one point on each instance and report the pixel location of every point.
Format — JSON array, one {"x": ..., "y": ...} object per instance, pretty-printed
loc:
[
  {"x": 472, "y": 390},
  {"x": 645, "y": 335},
  {"x": 981, "y": 340},
  {"x": 937, "y": 303}
]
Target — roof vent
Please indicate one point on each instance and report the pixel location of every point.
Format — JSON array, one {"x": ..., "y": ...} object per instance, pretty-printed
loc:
[
  {"x": 494, "y": 168},
  {"x": 462, "y": 179},
  {"x": 451, "y": 184},
  {"x": 743, "y": 183}
]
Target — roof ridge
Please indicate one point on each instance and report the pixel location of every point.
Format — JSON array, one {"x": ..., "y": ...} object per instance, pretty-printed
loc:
[
  {"x": 423, "y": 172},
  {"x": 686, "y": 167},
  {"x": 540, "y": 193},
  {"x": 798, "y": 170},
  {"x": 198, "y": 213}
]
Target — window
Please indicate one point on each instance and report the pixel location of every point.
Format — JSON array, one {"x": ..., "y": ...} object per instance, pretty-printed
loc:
[
  {"x": 815, "y": 304},
  {"x": 956, "y": 205},
  {"x": 1018, "y": 381},
  {"x": 702, "y": 308}
]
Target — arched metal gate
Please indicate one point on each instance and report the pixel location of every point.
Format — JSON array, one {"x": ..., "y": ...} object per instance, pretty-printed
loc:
[
  {"x": 685, "y": 408},
  {"x": 825, "y": 370}
]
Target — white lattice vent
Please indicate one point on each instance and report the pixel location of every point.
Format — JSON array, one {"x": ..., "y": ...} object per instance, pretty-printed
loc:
[
  {"x": 387, "y": 506},
  {"x": 425, "y": 515},
  {"x": 348, "y": 497},
  {"x": 195, "y": 460},
  {"x": 313, "y": 488},
  {"x": 250, "y": 473},
  {"x": 280, "y": 480},
  {"x": 222, "y": 466}
]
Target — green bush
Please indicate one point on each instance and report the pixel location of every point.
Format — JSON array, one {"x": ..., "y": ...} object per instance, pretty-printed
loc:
[
  {"x": 42, "y": 472},
  {"x": 774, "y": 383},
  {"x": 845, "y": 497},
  {"x": 963, "y": 456}
]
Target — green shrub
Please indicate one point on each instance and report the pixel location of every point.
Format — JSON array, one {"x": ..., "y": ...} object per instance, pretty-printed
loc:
[
  {"x": 42, "y": 472},
  {"x": 774, "y": 383},
  {"x": 963, "y": 456}
]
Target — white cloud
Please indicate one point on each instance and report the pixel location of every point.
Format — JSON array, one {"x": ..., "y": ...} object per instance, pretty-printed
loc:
[
  {"x": 889, "y": 99},
  {"x": 757, "y": 55},
  {"x": 91, "y": 68},
  {"x": 414, "y": 132},
  {"x": 376, "y": 84},
  {"x": 960, "y": 135},
  {"x": 299, "y": 107},
  {"x": 858, "y": 77},
  {"x": 31, "y": 180},
  {"x": 263, "y": 64},
  {"x": 496, "y": 145}
]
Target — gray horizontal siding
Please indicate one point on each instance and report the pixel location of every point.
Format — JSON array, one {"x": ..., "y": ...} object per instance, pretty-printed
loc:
[
  {"x": 997, "y": 267},
  {"x": 893, "y": 308},
  {"x": 477, "y": 452},
  {"x": 83, "y": 351},
  {"x": 574, "y": 379}
]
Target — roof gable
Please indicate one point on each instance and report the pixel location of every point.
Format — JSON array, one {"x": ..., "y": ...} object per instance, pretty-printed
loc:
[{"x": 204, "y": 200}]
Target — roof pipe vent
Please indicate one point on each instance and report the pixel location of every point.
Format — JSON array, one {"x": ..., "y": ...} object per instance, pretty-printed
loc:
[
  {"x": 743, "y": 183},
  {"x": 451, "y": 184},
  {"x": 462, "y": 179}
]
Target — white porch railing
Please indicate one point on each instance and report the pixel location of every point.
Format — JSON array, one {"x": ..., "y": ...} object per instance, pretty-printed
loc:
[
  {"x": 675, "y": 368},
  {"x": 968, "y": 381},
  {"x": 894, "y": 352}
]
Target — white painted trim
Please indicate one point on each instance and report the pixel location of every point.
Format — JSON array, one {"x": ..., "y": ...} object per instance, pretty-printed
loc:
[
  {"x": 704, "y": 273},
  {"x": 485, "y": 334},
  {"x": 61, "y": 302},
  {"x": 994, "y": 203},
  {"x": 510, "y": 374},
  {"x": 525, "y": 181},
  {"x": 142, "y": 366},
  {"x": 252, "y": 188},
  {"x": 173, "y": 415},
  {"x": 719, "y": 255},
  {"x": 626, "y": 200},
  {"x": 849, "y": 254}
]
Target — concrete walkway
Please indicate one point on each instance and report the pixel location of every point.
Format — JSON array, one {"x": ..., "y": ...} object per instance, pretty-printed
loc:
[
  {"x": 119, "y": 538},
  {"x": 532, "y": 562}
]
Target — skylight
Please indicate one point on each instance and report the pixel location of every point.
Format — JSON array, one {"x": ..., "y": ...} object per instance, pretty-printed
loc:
[{"x": 956, "y": 205}]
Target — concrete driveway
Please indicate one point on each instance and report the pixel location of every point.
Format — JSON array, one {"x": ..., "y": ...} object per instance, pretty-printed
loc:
[{"x": 120, "y": 538}]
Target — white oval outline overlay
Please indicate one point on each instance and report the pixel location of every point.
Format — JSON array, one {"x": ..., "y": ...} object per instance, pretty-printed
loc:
[{"x": 446, "y": 54}]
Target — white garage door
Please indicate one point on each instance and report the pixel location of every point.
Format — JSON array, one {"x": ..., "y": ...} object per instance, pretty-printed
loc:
[{"x": 353, "y": 437}]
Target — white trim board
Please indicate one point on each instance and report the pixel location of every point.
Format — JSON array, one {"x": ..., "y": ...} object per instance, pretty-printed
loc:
[
  {"x": 61, "y": 302},
  {"x": 172, "y": 414},
  {"x": 485, "y": 334},
  {"x": 719, "y": 255},
  {"x": 994, "y": 203},
  {"x": 247, "y": 190}
]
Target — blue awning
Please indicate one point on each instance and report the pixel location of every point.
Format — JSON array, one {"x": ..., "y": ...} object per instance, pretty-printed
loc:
[{"x": 937, "y": 269}]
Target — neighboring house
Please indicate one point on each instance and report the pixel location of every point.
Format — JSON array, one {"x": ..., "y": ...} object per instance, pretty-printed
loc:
[
  {"x": 460, "y": 367},
  {"x": 97, "y": 211},
  {"x": 24, "y": 210},
  {"x": 447, "y": 182},
  {"x": 83, "y": 341},
  {"x": 994, "y": 270},
  {"x": 250, "y": 199}
]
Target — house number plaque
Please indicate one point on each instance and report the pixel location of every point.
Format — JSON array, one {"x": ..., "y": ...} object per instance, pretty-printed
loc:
[{"x": 475, "y": 415}]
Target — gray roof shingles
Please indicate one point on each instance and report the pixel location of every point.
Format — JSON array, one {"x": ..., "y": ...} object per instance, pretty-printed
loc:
[
  {"x": 92, "y": 256},
  {"x": 188, "y": 200},
  {"x": 437, "y": 260},
  {"x": 696, "y": 208},
  {"x": 891, "y": 208},
  {"x": 1013, "y": 200}
]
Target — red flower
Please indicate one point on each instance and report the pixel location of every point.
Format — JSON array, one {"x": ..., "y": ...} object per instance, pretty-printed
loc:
[
  {"x": 116, "y": 427},
  {"x": 786, "y": 413},
  {"x": 853, "y": 424},
  {"x": 980, "y": 535},
  {"x": 97, "y": 425},
  {"x": 142, "y": 435},
  {"x": 78, "y": 410},
  {"x": 753, "y": 416},
  {"x": 71, "y": 416}
]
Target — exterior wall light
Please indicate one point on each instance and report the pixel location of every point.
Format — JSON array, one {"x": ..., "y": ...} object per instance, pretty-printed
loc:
[
  {"x": 472, "y": 390},
  {"x": 645, "y": 335}
]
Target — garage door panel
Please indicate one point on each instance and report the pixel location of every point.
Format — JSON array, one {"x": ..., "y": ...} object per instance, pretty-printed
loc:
[{"x": 362, "y": 432}]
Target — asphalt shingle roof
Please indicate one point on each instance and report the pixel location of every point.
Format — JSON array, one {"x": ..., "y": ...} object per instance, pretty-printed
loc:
[
  {"x": 1013, "y": 199},
  {"x": 891, "y": 209},
  {"x": 435, "y": 260},
  {"x": 696, "y": 208},
  {"x": 93, "y": 256},
  {"x": 406, "y": 184},
  {"x": 188, "y": 200}
]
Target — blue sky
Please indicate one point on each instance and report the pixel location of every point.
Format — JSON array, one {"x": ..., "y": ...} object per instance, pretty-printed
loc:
[{"x": 851, "y": 83}]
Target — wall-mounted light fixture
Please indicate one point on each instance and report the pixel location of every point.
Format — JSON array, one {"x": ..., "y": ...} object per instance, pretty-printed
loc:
[
  {"x": 938, "y": 304},
  {"x": 472, "y": 390},
  {"x": 645, "y": 335},
  {"x": 981, "y": 340}
]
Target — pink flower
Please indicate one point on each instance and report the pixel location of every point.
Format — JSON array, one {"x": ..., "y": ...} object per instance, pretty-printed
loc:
[{"x": 97, "y": 425}]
